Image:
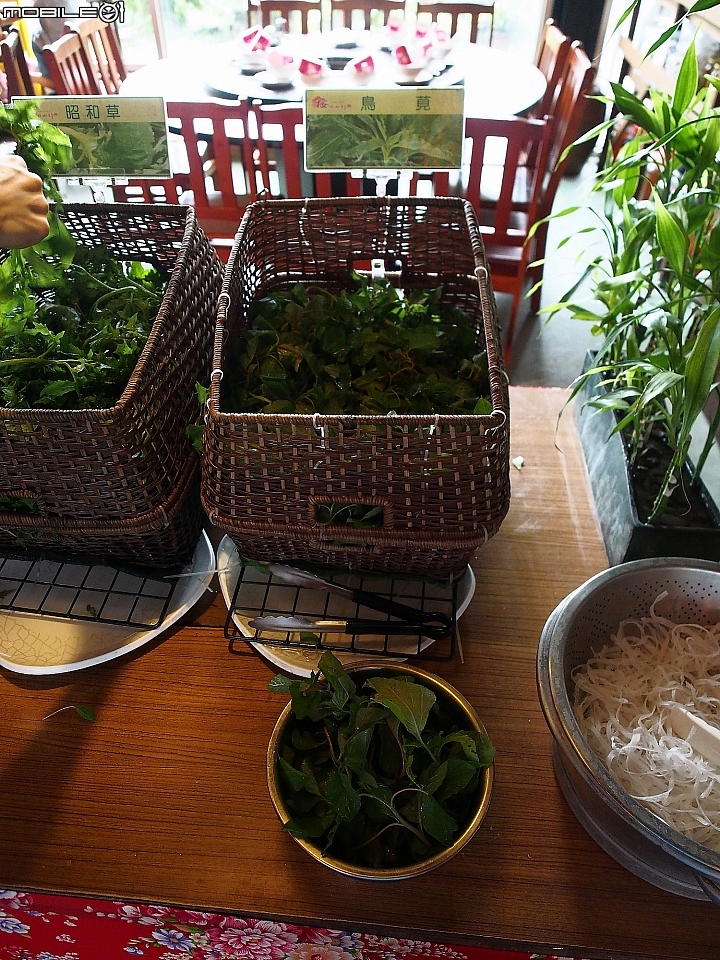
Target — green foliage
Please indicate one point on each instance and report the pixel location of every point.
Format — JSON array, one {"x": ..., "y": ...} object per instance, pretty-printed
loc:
[
  {"x": 73, "y": 320},
  {"x": 194, "y": 431},
  {"x": 357, "y": 515},
  {"x": 363, "y": 351},
  {"x": 79, "y": 348},
  {"x": 656, "y": 286},
  {"x": 380, "y": 776},
  {"x": 44, "y": 148},
  {"x": 666, "y": 35}
]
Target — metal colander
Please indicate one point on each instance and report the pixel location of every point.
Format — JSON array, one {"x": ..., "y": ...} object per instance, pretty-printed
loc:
[{"x": 576, "y": 630}]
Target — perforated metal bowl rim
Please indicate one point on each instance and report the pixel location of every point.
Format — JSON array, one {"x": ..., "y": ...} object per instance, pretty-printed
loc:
[{"x": 560, "y": 717}]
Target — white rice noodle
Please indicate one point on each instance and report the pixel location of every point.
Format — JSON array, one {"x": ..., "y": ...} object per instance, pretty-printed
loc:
[{"x": 623, "y": 698}]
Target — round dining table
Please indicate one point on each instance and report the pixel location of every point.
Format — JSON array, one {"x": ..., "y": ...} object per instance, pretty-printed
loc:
[{"x": 497, "y": 83}]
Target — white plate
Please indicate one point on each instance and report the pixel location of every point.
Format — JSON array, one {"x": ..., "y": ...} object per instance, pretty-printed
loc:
[
  {"x": 33, "y": 644},
  {"x": 301, "y": 661}
]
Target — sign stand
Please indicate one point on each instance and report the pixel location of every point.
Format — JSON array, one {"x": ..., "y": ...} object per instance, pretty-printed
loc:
[{"x": 383, "y": 177}]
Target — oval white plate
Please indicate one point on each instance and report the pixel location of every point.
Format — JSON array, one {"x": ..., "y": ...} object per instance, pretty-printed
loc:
[
  {"x": 33, "y": 644},
  {"x": 301, "y": 661}
]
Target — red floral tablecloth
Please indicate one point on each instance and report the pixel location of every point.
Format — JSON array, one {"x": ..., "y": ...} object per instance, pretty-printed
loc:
[{"x": 41, "y": 927}]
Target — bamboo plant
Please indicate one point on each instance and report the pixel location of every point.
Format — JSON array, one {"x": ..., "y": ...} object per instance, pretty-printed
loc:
[{"x": 655, "y": 285}]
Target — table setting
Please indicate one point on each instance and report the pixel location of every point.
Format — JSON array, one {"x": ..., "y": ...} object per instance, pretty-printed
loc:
[
  {"x": 498, "y": 83},
  {"x": 396, "y": 55}
]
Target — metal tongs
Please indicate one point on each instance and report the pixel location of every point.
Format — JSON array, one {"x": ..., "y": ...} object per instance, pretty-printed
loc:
[{"x": 435, "y": 626}]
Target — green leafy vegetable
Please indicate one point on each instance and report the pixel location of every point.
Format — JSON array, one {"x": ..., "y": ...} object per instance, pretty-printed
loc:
[
  {"x": 380, "y": 776},
  {"x": 369, "y": 350},
  {"x": 73, "y": 319}
]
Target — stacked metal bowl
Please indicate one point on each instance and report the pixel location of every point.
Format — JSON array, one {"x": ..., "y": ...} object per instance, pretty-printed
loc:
[{"x": 575, "y": 631}]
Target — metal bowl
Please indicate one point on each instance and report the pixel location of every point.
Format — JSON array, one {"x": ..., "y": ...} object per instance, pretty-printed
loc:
[
  {"x": 576, "y": 630},
  {"x": 467, "y": 717}
]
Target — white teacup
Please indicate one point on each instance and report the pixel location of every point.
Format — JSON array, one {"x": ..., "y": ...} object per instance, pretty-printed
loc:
[
  {"x": 361, "y": 69},
  {"x": 312, "y": 71},
  {"x": 409, "y": 64},
  {"x": 280, "y": 65}
]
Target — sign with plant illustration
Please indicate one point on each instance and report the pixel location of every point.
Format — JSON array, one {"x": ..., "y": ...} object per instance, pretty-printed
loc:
[
  {"x": 110, "y": 136},
  {"x": 412, "y": 129}
]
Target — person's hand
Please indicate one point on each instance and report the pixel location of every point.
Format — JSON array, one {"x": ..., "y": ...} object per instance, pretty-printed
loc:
[{"x": 23, "y": 207}]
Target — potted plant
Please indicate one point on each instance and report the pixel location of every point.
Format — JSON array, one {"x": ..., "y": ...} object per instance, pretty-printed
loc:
[
  {"x": 655, "y": 291},
  {"x": 381, "y": 773}
]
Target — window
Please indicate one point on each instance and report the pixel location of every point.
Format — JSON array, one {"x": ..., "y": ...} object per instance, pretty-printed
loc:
[{"x": 170, "y": 27}]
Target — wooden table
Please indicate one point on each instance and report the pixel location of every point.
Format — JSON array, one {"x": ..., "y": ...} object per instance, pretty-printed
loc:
[
  {"x": 163, "y": 798},
  {"x": 497, "y": 83}
]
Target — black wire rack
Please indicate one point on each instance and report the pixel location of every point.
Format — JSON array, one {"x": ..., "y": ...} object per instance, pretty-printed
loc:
[
  {"x": 258, "y": 593},
  {"x": 77, "y": 591}
]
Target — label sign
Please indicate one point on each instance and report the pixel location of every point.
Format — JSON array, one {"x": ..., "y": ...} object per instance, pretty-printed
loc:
[
  {"x": 111, "y": 136},
  {"x": 416, "y": 128}
]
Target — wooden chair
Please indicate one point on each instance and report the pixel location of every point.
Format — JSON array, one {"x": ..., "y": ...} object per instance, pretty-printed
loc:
[
  {"x": 217, "y": 173},
  {"x": 505, "y": 218},
  {"x": 551, "y": 59},
  {"x": 279, "y": 157},
  {"x": 362, "y": 14},
  {"x": 70, "y": 69},
  {"x": 453, "y": 15},
  {"x": 565, "y": 125},
  {"x": 19, "y": 81},
  {"x": 102, "y": 51},
  {"x": 302, "y": 16},
  {"x": 213, "y": 168}
]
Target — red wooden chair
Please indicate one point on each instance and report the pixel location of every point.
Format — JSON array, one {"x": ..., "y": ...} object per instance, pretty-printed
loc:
[
  {"x": 565, "y": 124},
  {"x": 70, "y": 69},
  {"x": 302, "y": 16},
  {"x": 362, "y": 14},
  {"x": 216, "y": 175},
  {"x": 506, "y": 219},
  {"x": 551, "y": 60},
  {"x": 279, "y": 157},
  {"x": 453, "y": 15},
  {"x": 102, "y": 51},
  {"x": 19, "y": 81}
]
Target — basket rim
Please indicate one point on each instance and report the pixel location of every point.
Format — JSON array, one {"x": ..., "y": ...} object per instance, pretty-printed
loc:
[
  {"x": 496, "y": 419},
  {"x": 43, "y": 415}
]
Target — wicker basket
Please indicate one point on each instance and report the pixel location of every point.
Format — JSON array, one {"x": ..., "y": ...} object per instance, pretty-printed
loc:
[
  {"x": 124, "y": 463},
  {"x": 443, "y": 482},
  {"x": 164, "y": 539}
]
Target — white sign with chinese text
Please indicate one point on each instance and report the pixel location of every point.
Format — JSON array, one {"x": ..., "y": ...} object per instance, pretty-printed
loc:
[
  {"x": 416, "y": 128},
  {"x": 111, "y": 136}
]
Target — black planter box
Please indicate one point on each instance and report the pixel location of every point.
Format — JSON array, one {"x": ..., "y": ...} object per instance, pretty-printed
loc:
[{"x": 625, "y": 536}]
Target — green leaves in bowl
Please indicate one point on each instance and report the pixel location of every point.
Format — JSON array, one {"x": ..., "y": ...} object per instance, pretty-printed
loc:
[
  {"x": 383, "y": 775},
  {"x": 369, "y": 350}
]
